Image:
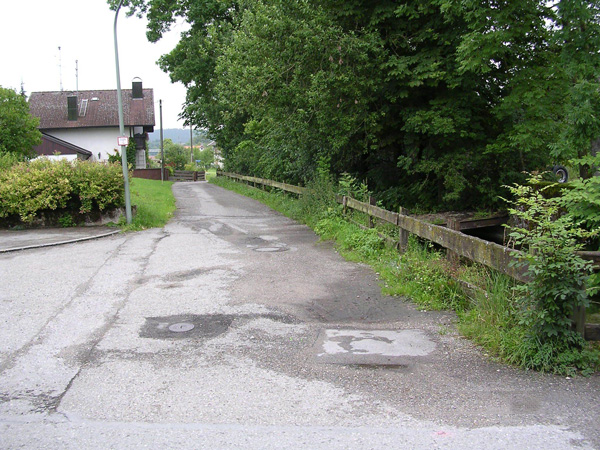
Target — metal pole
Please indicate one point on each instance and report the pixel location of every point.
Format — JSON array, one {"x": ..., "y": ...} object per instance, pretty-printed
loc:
[
  {"x": 191, "y": 146},
  {"x": 162, "y": 151},
  {"x": 121, "y": 125}
]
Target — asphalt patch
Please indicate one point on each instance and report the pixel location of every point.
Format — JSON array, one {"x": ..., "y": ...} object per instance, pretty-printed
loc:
[
  {"x": 186, "y": 326},
  {"x": 207, "y": 326},
  {"x": 370, "y": 348}
]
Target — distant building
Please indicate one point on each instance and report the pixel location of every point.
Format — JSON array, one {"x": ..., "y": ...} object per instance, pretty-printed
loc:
[
  {"x": 89, "y": 120},
  {"x": 219, "y": 160}
]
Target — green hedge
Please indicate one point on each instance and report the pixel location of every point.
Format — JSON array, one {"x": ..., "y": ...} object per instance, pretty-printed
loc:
[{"x": 27, "y": 189}]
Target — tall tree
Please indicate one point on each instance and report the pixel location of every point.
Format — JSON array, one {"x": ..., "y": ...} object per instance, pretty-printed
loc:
[
  {"x": 578, "y": 36},
  {"x": 18, "y": 128},
  {"x": 437, "y": 103}
]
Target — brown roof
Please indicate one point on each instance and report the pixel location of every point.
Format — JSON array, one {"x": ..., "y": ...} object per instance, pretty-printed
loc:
[
  {"x": 51, "y": 145},
  {"x": 101, "y": 111}
]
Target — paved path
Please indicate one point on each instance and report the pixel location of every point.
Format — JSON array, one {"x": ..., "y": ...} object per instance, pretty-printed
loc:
[{"x": 233, "y": 327}]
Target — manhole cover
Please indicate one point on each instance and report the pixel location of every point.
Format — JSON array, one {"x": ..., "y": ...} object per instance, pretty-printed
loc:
[
  {"x": 186, "y": 326},
  {"x": 181, "y": 327},
  {"x": 270, "y": 249}
]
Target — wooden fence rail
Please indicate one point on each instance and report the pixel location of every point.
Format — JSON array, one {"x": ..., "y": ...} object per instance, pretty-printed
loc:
[
  {"x": 472, "y": 248},
  {"x": 187, "y": 175},
  {"x": 475, "y": 249}
]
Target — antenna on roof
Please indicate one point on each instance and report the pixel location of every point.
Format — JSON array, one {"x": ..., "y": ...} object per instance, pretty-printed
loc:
[
  {"x": 77, "y": 77},
  {"x": 60, "y": 68}
]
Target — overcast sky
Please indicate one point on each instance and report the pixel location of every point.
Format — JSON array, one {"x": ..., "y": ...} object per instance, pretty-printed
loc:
[{"x": 32, "y": 30}]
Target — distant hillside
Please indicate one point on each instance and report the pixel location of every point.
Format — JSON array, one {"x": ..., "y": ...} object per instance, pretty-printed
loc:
[{"x": 177, "y": 135}]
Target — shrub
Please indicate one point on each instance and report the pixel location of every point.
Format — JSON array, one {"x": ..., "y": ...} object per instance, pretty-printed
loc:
[
  {"x": 98, "y": 186},
  {"x": 7, "y": 160},
  {"x": 27, "y": 189},
  {"x": 559, "y": 280}
]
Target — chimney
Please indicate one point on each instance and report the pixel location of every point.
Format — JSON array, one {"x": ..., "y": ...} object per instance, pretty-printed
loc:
[
  {"x": 136, "y": 88},
  {"x": 72, "y": 107}
]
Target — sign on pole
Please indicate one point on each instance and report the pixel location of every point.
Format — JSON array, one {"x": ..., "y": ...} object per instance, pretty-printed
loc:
[{"x": 123, "y": 141}]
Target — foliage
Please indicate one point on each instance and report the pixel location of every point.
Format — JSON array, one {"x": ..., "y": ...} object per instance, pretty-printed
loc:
[
  {"x": 493, "y": 318},
  {"x": 130, "y": 150},
  {"x": 350, "y": 187},
  {"x": 559, "y": 277},
  {"x": 155, "y": 204},
  {"x": 578, "y": 36},
  {"x": 114, "y": 158},
  {"x": 7, "y": 160},
  {"x": 319, "y": 201},
  {"x": 19, "y": 132},
  {"x": 29, "y": 188},
  {"x": 66, "y": 221},
  {"x": 97, "y": 186},
  {"x": 354, "y": 242},
  {"x": 176, "y": 156},
  {"x": 437, "y": 104},
  {"x": 582, "y": 199},
  {"x": 205, "y": 156},
  {"x": 424, "y": 275}
]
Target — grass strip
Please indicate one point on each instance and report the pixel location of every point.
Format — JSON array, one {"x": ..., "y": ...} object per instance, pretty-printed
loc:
[{"x": 154, "y": 201}]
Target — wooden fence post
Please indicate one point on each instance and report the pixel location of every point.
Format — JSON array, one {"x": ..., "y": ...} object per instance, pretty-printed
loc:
[
  {"x": 402, "y": 233},
  {"x": 578, "y": 319},
  {"x": 453, "y": 224},
  {"x": 345, "y": 204},
  {"x": 372, "y": 202}
]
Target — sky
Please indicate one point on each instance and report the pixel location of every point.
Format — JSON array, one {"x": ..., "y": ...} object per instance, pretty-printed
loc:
[{"x": 32, "y": 30}]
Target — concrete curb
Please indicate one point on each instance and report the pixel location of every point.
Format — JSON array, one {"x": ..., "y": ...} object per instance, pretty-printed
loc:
[{"x": 52, "y": 244}]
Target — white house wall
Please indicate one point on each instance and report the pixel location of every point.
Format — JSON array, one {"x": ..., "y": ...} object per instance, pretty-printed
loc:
[{"x": 101, "y": 141}]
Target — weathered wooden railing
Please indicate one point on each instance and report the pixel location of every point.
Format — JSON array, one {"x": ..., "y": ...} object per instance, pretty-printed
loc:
[
  {"x": 478, "y": 250},
  {"x": 472, "y": 248},
  {"x": 254, "y": 180},
  {"x": 187, "y": 175}
]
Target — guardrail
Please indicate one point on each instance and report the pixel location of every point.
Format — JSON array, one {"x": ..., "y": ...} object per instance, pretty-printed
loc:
[{"x": 472, "y": 248}]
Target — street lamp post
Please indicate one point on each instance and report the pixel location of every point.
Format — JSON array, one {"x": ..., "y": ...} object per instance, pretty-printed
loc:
[
  {"x": 122, "y": 126},
  {"x": 162, "y": 147}
]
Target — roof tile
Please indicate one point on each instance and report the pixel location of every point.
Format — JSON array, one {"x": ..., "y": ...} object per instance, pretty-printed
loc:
[{"x": 51, "y": 108}]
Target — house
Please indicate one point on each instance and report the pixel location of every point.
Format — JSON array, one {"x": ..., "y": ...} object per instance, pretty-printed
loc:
[
  {"x": 89, "y": 120},
  {"x": 51, "y": 145}
]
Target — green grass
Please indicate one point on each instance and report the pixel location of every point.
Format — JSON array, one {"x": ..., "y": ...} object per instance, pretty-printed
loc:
[
  {"x": 211, "y": 173},
  {"x": 155, "y": 204}
]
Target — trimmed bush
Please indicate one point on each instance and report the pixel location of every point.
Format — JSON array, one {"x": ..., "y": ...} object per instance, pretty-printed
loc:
[{"x": 28, "y": 189}]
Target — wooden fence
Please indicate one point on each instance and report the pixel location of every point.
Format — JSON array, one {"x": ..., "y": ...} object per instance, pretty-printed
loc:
[
  {"x": 187, "y": 175},
  {"x": 150, "y": 174},
  {"x": 472, "y": 248}
]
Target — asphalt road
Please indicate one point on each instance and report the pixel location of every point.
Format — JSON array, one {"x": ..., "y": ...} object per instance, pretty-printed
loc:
[{"x": 234, "y": 327}]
